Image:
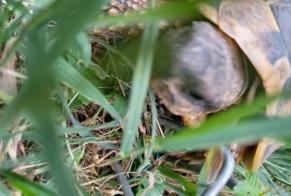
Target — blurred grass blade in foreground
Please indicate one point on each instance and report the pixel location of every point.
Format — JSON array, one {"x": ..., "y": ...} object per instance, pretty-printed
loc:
[
  {"x": 232, "y": 125},
  {"x": 246, "y": 131},
  {"x": 41, "y": 53},
  {"x": 141, "y": 78},
  {"x": 26, "y": 186}
]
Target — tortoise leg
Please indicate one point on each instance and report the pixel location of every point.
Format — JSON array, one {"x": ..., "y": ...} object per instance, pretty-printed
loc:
[
  {"x": 213, "y": 163},
  {"x": 263, "y": 150}
]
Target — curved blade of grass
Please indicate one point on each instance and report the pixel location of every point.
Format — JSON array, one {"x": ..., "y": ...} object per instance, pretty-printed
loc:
[
  {"x": 189, "y": 186},
  {"x": 239, "y": 112},
  {"x": 70, "y": 130},
  {"x": 140, "y": 84},
  {"x": 26, "y": 186},
  {"x": 248, "y": 131},
  {"x": 70, "y": 76},
  {"x": 223, "y": 128}
]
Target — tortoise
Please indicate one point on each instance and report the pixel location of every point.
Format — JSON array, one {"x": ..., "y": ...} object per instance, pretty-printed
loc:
[{"x": 205, "y": 72}]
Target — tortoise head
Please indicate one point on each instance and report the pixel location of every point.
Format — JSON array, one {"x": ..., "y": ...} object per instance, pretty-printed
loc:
[{"x": 198, "y": 70}]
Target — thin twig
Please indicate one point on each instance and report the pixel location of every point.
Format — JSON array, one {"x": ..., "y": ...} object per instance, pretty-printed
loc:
[{"x": 122, "y": 179}]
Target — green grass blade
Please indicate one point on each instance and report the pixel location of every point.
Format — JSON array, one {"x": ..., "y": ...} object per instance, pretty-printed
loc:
[
  {"x": 140, "y": 84},
  {"x": 26, "y": 186},
  {"x": 70, "y": 130},
  {"x": 239, "y": 112},
  {"x": 61, "y": 131},
  {"x": 189, "y": 186},
  {"x": 247, "y": 131},
  {"x": 223, "y": 121},
  {"x": 70, "y": 76}
]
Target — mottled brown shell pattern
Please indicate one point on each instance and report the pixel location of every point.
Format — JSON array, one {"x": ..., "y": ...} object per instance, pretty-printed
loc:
[{"x": 124, "y": 8}]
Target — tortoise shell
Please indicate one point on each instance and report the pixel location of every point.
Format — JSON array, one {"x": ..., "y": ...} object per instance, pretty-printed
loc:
[{"x": 262, "y": 30}]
